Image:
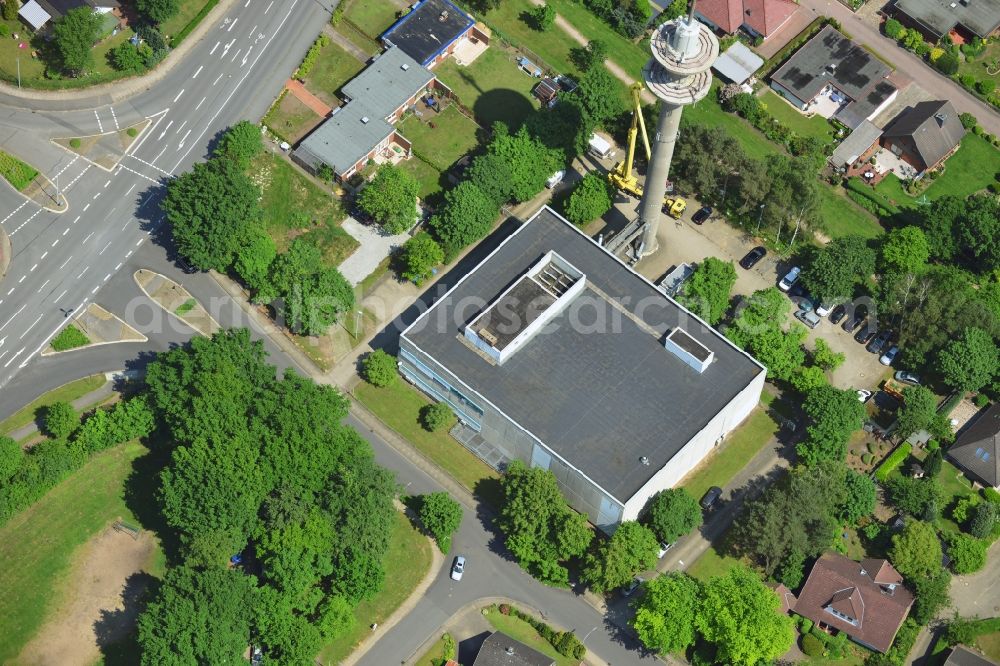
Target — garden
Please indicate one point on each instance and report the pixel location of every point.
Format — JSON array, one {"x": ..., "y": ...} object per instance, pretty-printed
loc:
[{"x": 493, "y": 87}]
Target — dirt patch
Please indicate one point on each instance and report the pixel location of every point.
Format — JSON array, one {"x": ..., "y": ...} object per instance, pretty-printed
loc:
[{"x": 103, "y": 590}]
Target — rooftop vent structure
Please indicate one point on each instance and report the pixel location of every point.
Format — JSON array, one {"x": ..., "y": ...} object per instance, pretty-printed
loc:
[
  {"x": 405, "y": 66},
  {"x": 509, "y": 651},
  {"x": 364, "y": 120},
  {"x": 686, "y": 348},
  {"x": 644, "y": 460}
]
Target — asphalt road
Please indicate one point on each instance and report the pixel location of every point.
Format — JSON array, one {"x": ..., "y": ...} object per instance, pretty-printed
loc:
[{"x": 61, "y": 261}]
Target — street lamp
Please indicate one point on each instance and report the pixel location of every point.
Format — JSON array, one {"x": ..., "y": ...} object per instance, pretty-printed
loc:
[
  {"x": 759, "y": 218},
  {"x": 725, "y": 185},
  {"x": 357, "y": 324}
]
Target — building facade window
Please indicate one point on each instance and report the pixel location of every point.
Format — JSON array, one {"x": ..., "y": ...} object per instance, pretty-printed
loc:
[{"x": 432, "y": 383}]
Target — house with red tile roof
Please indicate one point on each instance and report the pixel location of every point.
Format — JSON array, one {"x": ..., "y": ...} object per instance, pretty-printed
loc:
[
  {"x": 757, "y": 17},
  {"x": 866, "y": 600}
]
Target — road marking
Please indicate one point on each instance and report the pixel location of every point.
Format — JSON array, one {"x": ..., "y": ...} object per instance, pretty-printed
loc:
[
  {"x": 236, "y": 55},
  {"x": 43, "y": 285},
  {"x": 30, "y": 327},
  {"x": 68, "y": 165},
  {"x": 104, "y": 248},
  {"x": 217, "y": 79},
  {"x": 44, "y": 254},
  {"x": 88, "y": 237},
  {"x": 114, "y": 117},
  {"x": 141, "y": 175},
  {"x": 250, "y": 36},
  {"x": 97, "y": 195},
  {"x": 14, "y": 315},
  {"x": 11, "y": 291},
  {"x": 22, "y": 279},
  {"x": 100, "y": 126},
  {"x": 77, "y": 219},
  {"x": 14, "y": 212},
  {"x": 150, "y": 164},
  {"x": 107, "y": 183},
  {"x": 178, "y": 95},
  {"x": 86, "y": 207},
  {"x": 84, "y": 271},
  {"x": 245, "y": 6},
  {"x": 55, "y": 242},
  {"x": 230, "y": 28},
  {"x": 155, "y": 158},
  {"x": 126, "y": 224},
  {"x": 13, "y": 357},
  {"x": 94, "y": 290},
  {"x": 65, "y": 262},
  {"x": 118, "y": 266},
  {"x": 181, "y": 144},
  {"x": 201, "y": 67},
  {"x": 35, "y": 265},
  {"x": 133, "y": 187},
  {"x": 129, "y": 253},
  {"x": 108, "y": 276},
  {"x": 164, "y": 132},
  {"x": 139, "y": 242},
  {"x": 244, "y": 61},
  {"x": 212, "y": 52},
  {"x": 200, "y": 103},
  {"x": 269, "y": 6},
  {"x": 180, "y": 128},
  {"x": 60, "y": 296}
]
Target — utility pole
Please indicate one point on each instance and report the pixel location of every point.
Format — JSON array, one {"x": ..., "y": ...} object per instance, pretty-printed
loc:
[
  {"x": 759, "y": 218},
  {"x": 18, "y": 71}
]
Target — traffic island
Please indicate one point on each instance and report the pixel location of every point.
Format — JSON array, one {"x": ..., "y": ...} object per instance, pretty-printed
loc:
[
  {"x": 27, "y": 181},
  {"x": 92, "y": 327},
  {"x": 176, "y": 300},
  {"x": 104, "y": 150},
  {"x": 6, "y": 252}
]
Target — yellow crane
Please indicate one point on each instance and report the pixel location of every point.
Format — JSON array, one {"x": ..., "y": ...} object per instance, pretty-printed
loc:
[{"x": 623, "y": 177}]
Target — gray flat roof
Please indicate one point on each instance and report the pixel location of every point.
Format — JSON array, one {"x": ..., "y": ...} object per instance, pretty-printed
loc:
[
  {"x": 939, "y": 16},
  {"x": 344, "y": 138},
  {"x": 738, "y": 63},
  {"x": 600, "y": 399},
  {"x": 856, "y": 143},
  {"x": 388, "y": 82}
]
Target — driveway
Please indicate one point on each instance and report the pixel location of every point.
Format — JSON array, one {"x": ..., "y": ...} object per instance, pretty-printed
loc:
[
  {"x": 979, "y": 593},
  {"x": 374, "y": 247}
]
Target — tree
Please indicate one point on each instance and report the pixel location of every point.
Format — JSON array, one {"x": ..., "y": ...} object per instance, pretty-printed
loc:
[
  {"x": 859, "y": 497},
  {"x": 466, "y": 216},
  {"x": 806, "y": 379},
  {"x": 672, "y": 513},
  {"x": 664, "y": 616},
  {"x": 598, "y": 95},
  {"x": 905, "y": 249},
  {"x": 985, "y": 520},
  {"x": 74, "y": 35},
  {"x": 931, "y": 594},
  {"x": 780, "y": 351},
  {"x": 542, "y": 17},
  {"x": 824, "y": 357},
  {"x": 529, "y": 161},
  {"x": 312, "y": 296},
  {"x": 893, "y": 28},
  {"x": 11, "y": 458},
  {"x": 967, "y": 553},
  {"x": 158, "y": 11},
  {"x": 675, "y": 9},
  {"x": 253, "y": 263},
  {"x": 919, "y": 408},
  {"x": 240, "y": 143},
  {"x": 915, "y": 497},
  {"x": 834, "y": 415},
  {"x": 838, "y": 267},
  {"x": 591, "y": 198},
  {"x": 740, "y": 616},
  {"x": 126, "y": 58},
  {"x": 10, "y": 9},
  {"x": 379, "y": 368},
  {"x": 214, "y": 210},
  {"x": 419, "y": 256},
  {"x": 492, "y": 174},
  {"x": 540, "y": 530},
  {"x": 391, "y": 198},
  {"x": 197, "y": 617},
  {"x": 631, "y": 549},
  {"x": 916, "y": 550},
  {"x": 435, "y": 416},
  {"x": 706, "y": 292},
  {"x": 60, "y": 420},
  {"x": 594, "y": 54},
  {"x": 933, "y": 462},
  {"x": 970, "y": 362},
  {"x": 947, "y": 63},
  {"x": 441, "y": 516}
]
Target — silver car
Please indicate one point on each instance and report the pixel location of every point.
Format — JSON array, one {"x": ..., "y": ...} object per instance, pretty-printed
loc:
[{"x": 458, "y": 568}]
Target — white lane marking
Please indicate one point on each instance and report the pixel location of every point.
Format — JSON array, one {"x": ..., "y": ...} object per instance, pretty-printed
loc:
[
  {"x": 150, "y": 164},
  {"x": 118, "y": 266},
  {"x": 217, "y": 79},
  {"x": 201, "y": 67},
  {"x": 11, "y": 291},
  {"x": 231, "y": 25},
  {"x": 139, "y": 242},
  {"x": 134, "y": 148},
  {"x": 65, "y": 262},
  {"x": 164, "y": 132},
  {"x": 86, "y": 207},
  {"x": 114, "y": 117},
  {"x": 155, "y": 158},
  {"x": 82, "y": 272},
  {"x": 77, "y": 219},
  {"x": 250, "y": 36},
  {"x": 141, "y": 175},
  {"x": 236, "y": 55},
  {"x": 97, "y": 195},
  {"x": 60, "y": 296},
  {"x": 245, "y": 6},
  {"x": 22, "y": 279},
  {"x": 225, "y": 49},
  {"x": 246, "y": 55},
  {"x": 181, "y": 144},
  {"x": 55, "y": 242},
  {"x": 133, "y": 187},
  {"x": 94, "y": 290},
  {"x": 14, "y": 356},
  {"x": 129, "y": 253},
  {"x": 178, "y": 95},
  {"x": 44, "y": 254},
  {"x": 125, "y": 225},
  {"x": 88, "y": 237},
  {"x": 69, "y": 164},
  {"x": 4, "y": 354},
  {"x": 107, "y": 277},
  {"x": 33, "y": 268},
  {"x": 12, "y": 316},
  {"x": 43, "y": 285},
  {"x": 107, "y": 183},
  {"x": 30, "y": 218},
  {"x": 181, "y": 127},
  {"x": 100, "y": 125},
  {"x": 200, "y": 103},
  {"x": 14, "y": 212},
  {"x": 30, "y": 327},
  {"x": 105, "y": 248},
  {"x": 212, "y": 52},
  {"x": 269, "y": 6}
]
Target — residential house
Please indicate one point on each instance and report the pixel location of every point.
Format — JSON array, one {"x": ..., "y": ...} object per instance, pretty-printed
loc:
[
  {"x": 963, "y": 19},
  {"x": 859, "y": 145},
  {"x": 834, "y": 77},
  {"x": 756, "y": 17},
  {"x": 976, "y": 450},
  {"x": 553, "y": 352},
  {"x": 499, "y": 649},
  {"x": 38, "y": 13},
  {"x": 432, "y": 30},
  {"x": 362, "y": 129},
  {"x": 925, "y": 135},
  {"x": 785, "y": 595},
  {"x": 963, "y": 656},
  {"x": 866, "y": 600}
]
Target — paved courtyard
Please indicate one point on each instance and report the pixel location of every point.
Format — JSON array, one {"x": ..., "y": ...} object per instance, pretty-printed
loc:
[{"x": 374, "y": 247}]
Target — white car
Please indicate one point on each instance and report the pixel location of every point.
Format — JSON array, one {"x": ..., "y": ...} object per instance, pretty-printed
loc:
[
  {"x": 664, "y": 547},
  {"x": 823, "y": 309},
  {"x": 864, "y": 395},
  {"x": 890, "y": 356},
  {"x": 791, "y": 277},
  {"x": 458, "y": 568},
  {"x": 555, "y": 179}
]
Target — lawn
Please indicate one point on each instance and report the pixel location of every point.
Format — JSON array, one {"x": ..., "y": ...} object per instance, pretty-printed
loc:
[
  {"x": 631, "y": 56},
  {"x": 295, "y": 207},
  {"x": 978, "y": 68},
  {"x": 708, "y": 113},
  {"x": 969, "y": 170},
  {"x": 990, "y": 645},
  {"x": 290, "y": 119},
  {"x": 711, "y": 564},
  {"x": 334, "y": 67},
  {"x": 37, "y": 546},
  {"x": 452, "y": 136},
  {"x": 405, "y": 564},
  {"x": 433, "y": 656},
  {"x": 373, "y": 18},
  {"x": 801, "y": 124},
  {"x": 399, "y": 406},
  {"x": 427, "y": 176},
  {"x": 520, "y": 630},
  {"x": 189, "y": 9},
  {"x": 737, "y": 450},
  {"x": 839, "y": 216},
  {"x": 358, "y": 38},
  {"x": 955, "y": 486},
  {"x": 66, "y": 393},
  {"x": 19, "y": 174},
  {"x": 33, "y": 68},
  {"x": 492, "y": 87}
]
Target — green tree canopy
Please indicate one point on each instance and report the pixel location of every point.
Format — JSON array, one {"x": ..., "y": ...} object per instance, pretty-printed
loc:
[
  {"x": 74, "y": 36},
  {"x": 530, "y": 162},
  {"x": 630, "y": 550},
  {"x": 11, "y": 458},
  {"x": 824, "y": 357},
  {"x": 591, "y": 198},
  {"x": 706, "y": 293},
  {"x": 436, "y": 416},
  {"x": 967, "y": 553},
  {"x": 672, "y": 513},
  {"x": 838, "y": 267},
  {"x": 240, "y": 143},
  {"x": 126, "y": 58},
  {"x": 598, "y": 95},
  {"x": 917, "y": 412},
  {"x": 859, "y": 497},
  {"x": 665, "y": 614},
  {"x": 970, "y": 362},
  {"x": 253, "y": 263},
  {"x": 905, "y": 250},
  {"x": 441, "y": 516},
  {"x": 391, "y": 198},
  {"x": 916, "y": 550},
  {"x": 466, "y": 217},
  {"x": 379, "y": 368},
  {"x": 312, "y": 295},
  {"x": 932, "y": 595},
  {"x": 419, "y": 256},
  {"x": 60, "y": 420},
  {"x": 158, "y": 11},
  {"x": 492, "y": 174},
  {"x": 834, "y": 414}
]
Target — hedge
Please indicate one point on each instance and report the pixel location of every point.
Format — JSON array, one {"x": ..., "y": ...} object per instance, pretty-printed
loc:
[
  {"x": 176, "y": 40},
  {"x": 312, "y": 55},
  {"x": 565, "y": 642},
  {"x": 892, "y": 461}
]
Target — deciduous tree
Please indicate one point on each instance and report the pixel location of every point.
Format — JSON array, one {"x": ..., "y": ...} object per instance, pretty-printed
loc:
[
  {"x": 441, "y": 516},
  {"x": 492, "y": 174},
  {"x": 158, "y": 11},
  {"x": 240, "y": 143},
  {"x": 631, "y": 549},
  {"x": 672, "y": 513},
  {"x": 466, "y": 216},
  {"x": 11, "y": 458},
  {"x": 391, "y": 198},
  {"x": 253, "y": 262},
  {"x": 917, "y": 412},
  {"x": 74, "y": 35},
  {"x": 126, "y": 58},
  {"x": 967, "y": 553},
  {"x": 859, "y": 497},
  {"x": 312, "y": 295},
  {"x": 916, "y": 550},
  {"x": 436, "y": 416},
  {"x": 838, "y": 267},
  {"x": 970, "y": 362},
  {"x": 905, "y": 250},
  {"x": 833, "y": 414},
  {"x": 665, "y": 614},
  {"x": 706, "y": 293},
  {"x": 419, "y": 256},
  {"x": 379, "y": 368},
  {"x": 824, "y": 357},
  {"x": 915, "y": 497},
  {"x": 531, "y": 162},
  {"x": 932, "y": 595},
  {"x": 60, "y": 420},
  {"x": 591, "y": 198}
]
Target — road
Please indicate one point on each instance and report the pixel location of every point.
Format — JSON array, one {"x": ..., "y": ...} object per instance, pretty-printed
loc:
[{"x": 61, "y": 261}]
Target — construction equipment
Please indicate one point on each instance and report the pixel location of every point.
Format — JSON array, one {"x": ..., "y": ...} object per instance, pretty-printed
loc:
[{"x": 623, "y": 176}]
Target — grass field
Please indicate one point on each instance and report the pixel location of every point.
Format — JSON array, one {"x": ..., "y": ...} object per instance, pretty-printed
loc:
[
  {"x": 492, "y": 86},
  {"x": 189, "y": 9},
  {"x": 711, "y": 564},
  {"x": 969, "y": 170},
  {"x": 740, "y": 446},
  {"x": 839, "y": 216},
  {"x": 290, "y": 119},
  {"x": 399, "y": 406},
  {"x": 707, "y": 112},
  {"x": 802, "y": 125},
  {"x": 70, "y": 337},
  {"x": 373, "y": 18},
  {"x": 978, "y": 67},
  {"x": 452, "y": 136},
  {"x": 358, "y": 38},
  {"x": 334, "y": 67},
  {"x": 36, "y": 546},
  {"x": 405, "y": 564},
  {"x": 427, "y": 176},
  {"x": 66, "y": 393},
  {"x": 19, "y": 174},
  {"x": 520, "y": 630},
  {"x": 955, "y": 486}
]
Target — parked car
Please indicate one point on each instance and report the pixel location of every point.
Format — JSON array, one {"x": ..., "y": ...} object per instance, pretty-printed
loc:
[
  {"x": 458, "y": 568},
  {"x": 555, "y": 179},
  {"x": 701, "y": 215},
  {"x": 711, "y": 497},
  {"x": 890, "y": 356},
  {"x": 907, "y": 377},
  {"x": 664, "y": 547},
  {"x": 791, "y": 277},
  {"x": 867, "y": 331},
  {"x": 857, "y": 318},
  {"x": 808, "y": 317},
  {"x": 632, "y": 587},
  {"x": 864, "y": 395},
  {"x": 837, "y": 314},
  {"x": 879, "y": 342},
  {"x": 185, "y": 267},
  {"x": 752, "y": 257},
  {"x": 805, "y": 303},
  {"x": 822, "y": 309}
]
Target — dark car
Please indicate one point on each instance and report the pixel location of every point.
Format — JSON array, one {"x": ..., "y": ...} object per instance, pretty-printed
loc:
[
  {"x": 752, "y": 257},
  {"x": 711, "y": 497},
  {"x": 185, "y": 266},
  {"x": 857, "y": 317},
  {"x": 867, "y": 331},
  {"x": 878, "y": 342},
  {"x": 837, "y": 314},
  {"x": 702, "y": 214}
]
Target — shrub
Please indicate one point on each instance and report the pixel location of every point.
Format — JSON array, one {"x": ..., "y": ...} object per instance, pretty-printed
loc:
[
  {"x": 312, "y": 55},
  {"x": 505, "y": 609},
  {"x": 968, "y": 120},
  {"x": 968, "y": 554},
  {"x": 947, "y": 64},
  {"x": 60, "y": 420},
  {"x": 981, "y": 401},
  {"x": 893, "y": 28},
  {"x": 132, "y": 132},
  {"x": 379, "y": 368},
  {"x": 69, "y": 338},
  {"x": 935, "y": 54},
  {"x": 872, "y": 531},
  {"x": 991, "y": 495},
  {"x": 813, "y": 646},
  {"x": 894, "y": 460},
  {"x": 964, "y": 508},
  {"x": 967, "y": 80},
  {"x": 74, "y": 143},
  {"x": 435, "y": 416},
  {"x": 985, "y": 86},
  {"x": 867, "y": 458},
  {"x": 984, "y": 520}
]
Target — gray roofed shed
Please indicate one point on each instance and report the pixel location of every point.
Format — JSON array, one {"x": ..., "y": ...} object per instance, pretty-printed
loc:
[
  {"x": 977, "y": 449},
  {"x": 938, "y": 17},
  {"x": 738, "y": 63},
  {"x": 930, "y": 130},
  {"x": 857, "y": 142}
]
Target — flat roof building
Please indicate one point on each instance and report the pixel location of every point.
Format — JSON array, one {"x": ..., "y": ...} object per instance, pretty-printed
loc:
[
  {"x": 553, "y": 352},
  {"x": 429, "y": 32},
  {"x": 937, "y": 18}
]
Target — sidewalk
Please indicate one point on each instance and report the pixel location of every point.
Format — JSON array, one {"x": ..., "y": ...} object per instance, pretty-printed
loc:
[
  {"x": 345, "y": 43},
  {"x": 94, "y": 397}
]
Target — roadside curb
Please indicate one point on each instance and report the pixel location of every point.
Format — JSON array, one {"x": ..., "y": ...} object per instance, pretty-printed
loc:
[{"x": 6, "y": 252}]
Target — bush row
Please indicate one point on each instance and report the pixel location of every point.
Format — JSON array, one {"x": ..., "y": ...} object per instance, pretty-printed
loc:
[
  {"x": 312, "y": 55},
  {"x": 749, "y": 107},
  {"x": 892, "y": 461},
  {"x": 565, "y": 642},
  {"x": 192, "y": 24}
]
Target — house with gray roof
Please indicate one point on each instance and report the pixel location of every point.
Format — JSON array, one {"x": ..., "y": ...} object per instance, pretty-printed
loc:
[
  {"x": 553, "y": 352},
  {"x": 924, "y": 135},
  {"x": 963, "y": 656},
  {"x": 363, "y": 127},
  {"x": 39, "y": 13},
  {"x": 977, "y": 448},
  {"x": 937, "y": 18},
  {"x": 432, "y": 29},
  {"x": 499, "y": 649},
  {"x": 831, "y": 72}
]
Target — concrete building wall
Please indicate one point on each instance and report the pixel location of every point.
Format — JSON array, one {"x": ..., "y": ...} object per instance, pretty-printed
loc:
[{"x": 787, "y": 94}]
